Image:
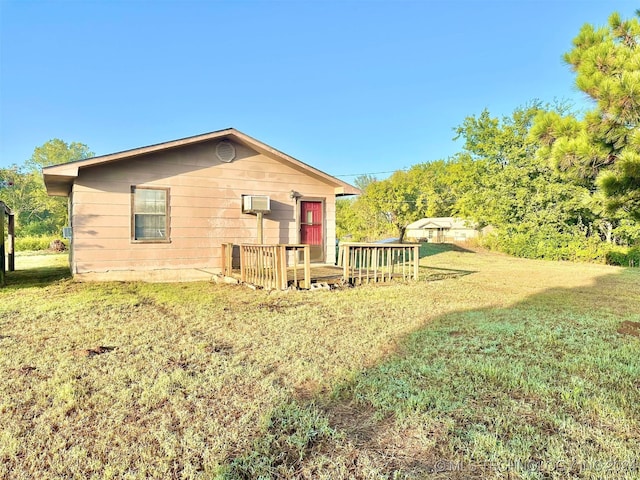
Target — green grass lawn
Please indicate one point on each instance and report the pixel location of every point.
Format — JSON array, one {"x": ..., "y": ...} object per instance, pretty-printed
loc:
[{"x": 489, "y": 367}]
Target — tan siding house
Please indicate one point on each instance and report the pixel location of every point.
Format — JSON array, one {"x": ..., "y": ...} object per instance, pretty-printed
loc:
[
  {"x": 162, "y": 212},
  {"x": 441, "y": 230}
]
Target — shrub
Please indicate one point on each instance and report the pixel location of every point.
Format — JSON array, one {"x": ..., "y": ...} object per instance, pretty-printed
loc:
[
  {"x": 625, "y": 257},
  {"x": 36, "y": 243},
  {"x": 634, "y": 256},
  {"x": 549, "y": 244}
]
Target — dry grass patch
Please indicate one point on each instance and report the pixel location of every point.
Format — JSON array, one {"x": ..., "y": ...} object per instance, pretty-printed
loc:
[{"x": 513, "y": 362}]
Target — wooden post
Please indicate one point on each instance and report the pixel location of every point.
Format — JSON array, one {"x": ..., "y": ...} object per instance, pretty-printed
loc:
[
  {"x": 2, "y": 245},
  {"x": 260, "y": 231},
  {"x": 11, "y": 230},
  {"x": 374, "y": 264},
  {"x": 345, "y": 263},
  {"x": 282, "y": 266},
  {"x": 416, "y": 261},
  {"x": 296, "y": 259},
  {"x": 223, "y": 258},
  {"x": 307, "y": 266},
  {"x": 243, "y": 264}
]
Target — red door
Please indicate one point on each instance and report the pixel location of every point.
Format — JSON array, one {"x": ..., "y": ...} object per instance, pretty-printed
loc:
[{"x": 311, "y": 229}]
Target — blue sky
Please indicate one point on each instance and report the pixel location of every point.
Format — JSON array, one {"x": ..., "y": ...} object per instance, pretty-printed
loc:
[{"x": 349, "y": 87}]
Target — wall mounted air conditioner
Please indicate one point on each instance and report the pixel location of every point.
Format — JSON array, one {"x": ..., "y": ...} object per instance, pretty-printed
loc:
[{"x": 256, "y": 204}]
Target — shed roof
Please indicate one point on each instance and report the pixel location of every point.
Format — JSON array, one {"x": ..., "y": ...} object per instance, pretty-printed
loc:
[{"x": 58, "y": 179}]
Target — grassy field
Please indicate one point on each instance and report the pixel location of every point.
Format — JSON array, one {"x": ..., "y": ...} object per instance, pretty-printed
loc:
[{"x": 489, "y": 367}]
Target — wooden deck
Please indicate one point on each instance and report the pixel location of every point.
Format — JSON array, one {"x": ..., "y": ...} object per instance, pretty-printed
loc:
[
  {"x": 329, "y": 274},
  {"x": 282, "y": 266},
  {"x": 326, "y": 274}
]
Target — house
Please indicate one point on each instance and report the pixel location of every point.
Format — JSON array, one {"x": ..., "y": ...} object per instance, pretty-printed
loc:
[
  {"x": 162, "y": 212},
  {"x": 441, "y": 230}
]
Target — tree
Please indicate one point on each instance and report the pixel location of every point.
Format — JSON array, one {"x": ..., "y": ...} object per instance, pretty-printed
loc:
[
  {"x": 37, "y": 213},
  {"x": 506, "y": 184},
  {"x": 399, "y": 198},
  {"x": 386, "y": 207},
  {"x": 55, "y": 152},
  {"x": 602, "y": 150}
]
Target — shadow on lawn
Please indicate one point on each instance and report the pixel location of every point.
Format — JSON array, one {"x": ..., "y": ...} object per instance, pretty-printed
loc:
[
  {"x": 477, "y": 394},
  {"x": 36, "y": 277},
  {"x": 431, "y": 249},
  {"x": 432, "y": 274}
]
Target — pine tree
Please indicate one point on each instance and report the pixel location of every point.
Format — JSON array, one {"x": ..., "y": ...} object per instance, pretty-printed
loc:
[{"x": 603, "y": 148}]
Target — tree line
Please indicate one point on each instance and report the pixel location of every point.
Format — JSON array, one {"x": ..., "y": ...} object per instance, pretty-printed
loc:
[{"x": 552, "y": 182}]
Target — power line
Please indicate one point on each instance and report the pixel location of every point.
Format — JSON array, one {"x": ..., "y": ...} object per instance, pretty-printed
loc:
[{"x": 368, "y": 173}]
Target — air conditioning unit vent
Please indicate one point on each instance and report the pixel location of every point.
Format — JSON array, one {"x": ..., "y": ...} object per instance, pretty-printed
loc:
[{"x": 256, "y": 204}]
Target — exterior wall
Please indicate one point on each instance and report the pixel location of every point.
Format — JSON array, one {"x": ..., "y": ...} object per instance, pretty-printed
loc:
[
  {"x": 441, "y": 235},
  {"x": 204, "y": 208},
  {"x": 459, "y": 234}
]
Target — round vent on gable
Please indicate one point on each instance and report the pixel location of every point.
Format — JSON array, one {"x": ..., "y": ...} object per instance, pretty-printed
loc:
[{"x": 225, "y": 151}]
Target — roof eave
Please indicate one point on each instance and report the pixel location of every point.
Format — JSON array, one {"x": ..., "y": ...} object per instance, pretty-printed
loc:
[{"x": 58, "y": 185}]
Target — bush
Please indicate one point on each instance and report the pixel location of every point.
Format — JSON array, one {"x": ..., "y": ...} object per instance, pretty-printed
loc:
[
  {"x": 36, "y": 243},
  {"x": 624, "y": 257},
  {"x": 549, "y": 244}
]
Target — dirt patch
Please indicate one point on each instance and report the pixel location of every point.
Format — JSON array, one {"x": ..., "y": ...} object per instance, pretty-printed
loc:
[
  {"x": 398, "y": 451},
  {"x": 220, "y": 348},
  {"x": 278, "y": 306},
  {"x": 307, "y": 391},
  {"x": 92, "y": 352},
  {"x": 26, "y": 369},
  {"x": 629, "y": 328}
]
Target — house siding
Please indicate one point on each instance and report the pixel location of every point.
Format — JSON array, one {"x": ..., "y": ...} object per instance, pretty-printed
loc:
[
  {"x": 442, "y": 235},
  {"x": 204, "y": 208}
]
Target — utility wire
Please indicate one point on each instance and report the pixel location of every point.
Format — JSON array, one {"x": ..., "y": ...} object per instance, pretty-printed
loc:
[{"x": 368, "y": 173}]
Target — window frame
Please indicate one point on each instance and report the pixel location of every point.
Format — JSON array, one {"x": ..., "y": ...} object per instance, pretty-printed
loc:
[{"x": 167, "y": 216}]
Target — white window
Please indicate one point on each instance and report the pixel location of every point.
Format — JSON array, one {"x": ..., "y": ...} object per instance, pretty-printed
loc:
[{"x": 149, "y": 218}]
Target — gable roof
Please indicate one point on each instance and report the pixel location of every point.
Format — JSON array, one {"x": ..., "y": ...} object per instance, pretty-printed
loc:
[{"x": 58, "y": 179}]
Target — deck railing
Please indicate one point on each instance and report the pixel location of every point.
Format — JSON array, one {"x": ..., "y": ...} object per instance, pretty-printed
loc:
[
  {"x": 297, "y": 263},
  {"x": 261, "y": 265},
  {"x": 278, "y": 266},
  {"x": 226, "y": 256},
  {"x": 374, "y": 262},
  {"x": 267, "y": 266}
]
